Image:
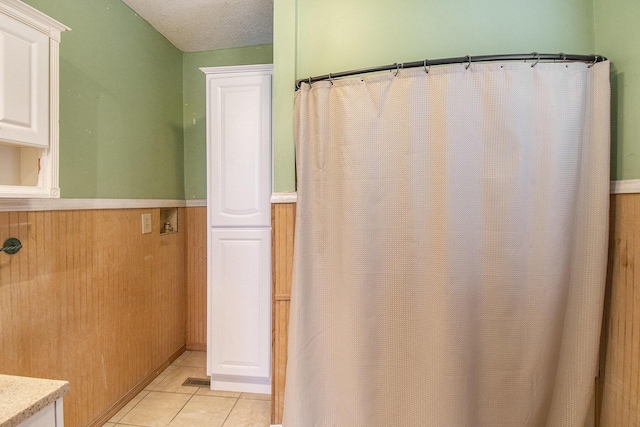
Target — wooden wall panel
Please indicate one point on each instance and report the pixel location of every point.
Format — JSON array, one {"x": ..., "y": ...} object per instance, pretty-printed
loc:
[
  {"x": 91, "y": 300},
  {"x": 283, "y": 226},
  {"x": 619, "y": 385},
  {"x": 196, "y": 277}
]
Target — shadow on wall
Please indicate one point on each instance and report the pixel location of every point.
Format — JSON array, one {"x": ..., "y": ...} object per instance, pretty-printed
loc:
[{"x": 617, "y": 116}]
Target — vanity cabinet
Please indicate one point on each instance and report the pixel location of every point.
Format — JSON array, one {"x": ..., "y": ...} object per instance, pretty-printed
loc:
[
  {"x": 29, "y": 43},
  {"x": 31, "y": 402},
  {"x": 49, "y": 416}
]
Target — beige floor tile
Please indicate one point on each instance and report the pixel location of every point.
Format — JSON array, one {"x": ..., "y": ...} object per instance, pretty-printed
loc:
[
  {"x": 170, "y": 402},
  {"x": 204, "y": 411},
  {"x": 249, "y": 413},
  {"x": 156, "y": 409},
  {"x": 181, "y": 358},
  {"x": 129, "y": 406},
  {"x": 255, "y": 396},
  {"x": 203, "y": 391},
  {"x": 157, "y": 380},
  {"x": 197, "y": 359},
  {"x": 173, "y": 382}
]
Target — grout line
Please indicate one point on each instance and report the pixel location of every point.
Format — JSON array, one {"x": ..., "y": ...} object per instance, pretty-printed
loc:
[
  {"x": 232, "y": 408},
  {"x": 125, "y": 424},
  {"x": 172, "y": 392},
  {"x": 127, "y": 413},
  {"x": 185, "y": 404}
]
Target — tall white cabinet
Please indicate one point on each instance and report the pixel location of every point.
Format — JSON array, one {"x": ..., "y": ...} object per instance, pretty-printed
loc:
[{"x": 239, "y": 227}]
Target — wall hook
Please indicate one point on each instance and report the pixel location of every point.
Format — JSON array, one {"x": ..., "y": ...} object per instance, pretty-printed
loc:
[{"x": 11, "y": 246}]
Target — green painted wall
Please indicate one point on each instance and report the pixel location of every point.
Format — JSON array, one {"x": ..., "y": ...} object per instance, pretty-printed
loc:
[
  {"x": 284, "y": 75},
  {"x": 618, "y": 38},
  {"x": 121, "y": 133},
  {"x": 125, "y": 133},
  {"x": 195, "y": 130},
  {"x": 338, "y": 35}
]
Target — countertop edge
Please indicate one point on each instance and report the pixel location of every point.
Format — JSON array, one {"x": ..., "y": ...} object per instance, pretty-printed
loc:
[{"x": 38, "y": 404}]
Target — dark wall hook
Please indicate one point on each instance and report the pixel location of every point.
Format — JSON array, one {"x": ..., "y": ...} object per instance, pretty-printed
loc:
[{"x": 11, "y": 246}]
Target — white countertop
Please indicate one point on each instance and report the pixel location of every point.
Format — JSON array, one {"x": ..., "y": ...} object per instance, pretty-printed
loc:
[{"x": 22, "y": 397}]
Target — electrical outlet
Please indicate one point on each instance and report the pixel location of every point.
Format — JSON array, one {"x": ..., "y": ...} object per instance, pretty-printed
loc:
[{"x": 146, "y": 223}]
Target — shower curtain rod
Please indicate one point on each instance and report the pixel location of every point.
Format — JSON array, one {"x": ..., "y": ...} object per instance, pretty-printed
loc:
[{"x": 458, "y": 60}]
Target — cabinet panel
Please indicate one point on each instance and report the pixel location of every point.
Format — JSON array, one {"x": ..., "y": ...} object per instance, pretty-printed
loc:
[
  {"x": 46, "y": 417},
  {"x": 24, "y": 84},
  {"x": 239, "y": 127},
  {"x": 239, "y": 341}
]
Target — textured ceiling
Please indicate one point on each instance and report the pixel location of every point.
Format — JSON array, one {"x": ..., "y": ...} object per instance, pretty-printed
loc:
[{"x": 196, "y": 25}]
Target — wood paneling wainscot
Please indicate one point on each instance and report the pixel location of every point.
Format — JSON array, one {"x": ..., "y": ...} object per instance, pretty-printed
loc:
[
  {"x": 91, "y": 300},
  {"x": 619, "y": 385},
  {"x": 283, "y": 217},
  {"x": 196, "y": 277}
]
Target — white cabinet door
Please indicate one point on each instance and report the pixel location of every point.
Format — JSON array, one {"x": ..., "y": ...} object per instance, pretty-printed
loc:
[
  {"x": 239, "y": 349},
  {"x": 239, "y": 133},
  {"x": 24, "y": 84}
]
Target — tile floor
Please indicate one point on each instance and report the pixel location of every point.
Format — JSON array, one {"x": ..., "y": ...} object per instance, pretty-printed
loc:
[{"x": 166, "y": 402}]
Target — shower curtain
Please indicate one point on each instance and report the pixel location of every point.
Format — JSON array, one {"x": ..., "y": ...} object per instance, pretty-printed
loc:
[{"x": 450, "y": 247}]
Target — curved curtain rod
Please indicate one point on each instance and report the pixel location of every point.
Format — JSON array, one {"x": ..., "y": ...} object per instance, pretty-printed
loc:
[{"x": 458, "y": 60}]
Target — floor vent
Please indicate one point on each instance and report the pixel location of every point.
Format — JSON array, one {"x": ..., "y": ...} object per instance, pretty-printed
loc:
[{"x": 197, "y": 382}]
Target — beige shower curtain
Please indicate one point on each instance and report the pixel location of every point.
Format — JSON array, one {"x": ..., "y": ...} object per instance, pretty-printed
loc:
[{"x": 450, "y": 247}]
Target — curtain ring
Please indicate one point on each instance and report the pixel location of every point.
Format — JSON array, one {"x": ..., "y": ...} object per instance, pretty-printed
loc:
[
  {"x": 564, "y": 59},
  {"x": 330, "y": 79},
  {"x": 595, "y": 60},
  {"x": 426, "y": 70},
  {"x": 537, "y": 59},
  {"x": 398, "y": 66},
  {"x": 309, "y": 82},
  {"x": 468, "y": 63}
]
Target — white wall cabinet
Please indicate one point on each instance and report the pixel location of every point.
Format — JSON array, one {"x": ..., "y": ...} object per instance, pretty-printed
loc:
[
  {"x": 29, "y": 90},
  {"x": 239, "y": 222},
  {"x": 24, "y": 93}
]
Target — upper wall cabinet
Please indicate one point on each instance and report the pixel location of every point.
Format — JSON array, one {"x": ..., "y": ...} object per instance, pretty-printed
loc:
[
  {"x": 29, "y": 91},
  {"x": 239, "y": 149}
]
